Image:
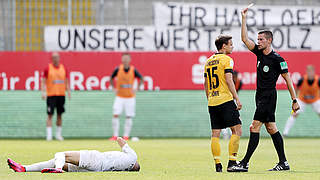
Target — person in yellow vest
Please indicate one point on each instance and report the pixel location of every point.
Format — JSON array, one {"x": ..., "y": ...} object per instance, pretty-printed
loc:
[
  {"x": 53, "y": 87},
  {"x": 308, "y": 93},
  {"x": 125, "y": 95},
  {"x": 223, "y": 100}
]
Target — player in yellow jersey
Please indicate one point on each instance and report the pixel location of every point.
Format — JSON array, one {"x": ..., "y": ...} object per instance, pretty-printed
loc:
[{"x": 223, "y": 100}]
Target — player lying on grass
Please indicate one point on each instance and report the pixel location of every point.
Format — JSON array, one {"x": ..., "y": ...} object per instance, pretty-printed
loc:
[{"x": 85, "y": 161}]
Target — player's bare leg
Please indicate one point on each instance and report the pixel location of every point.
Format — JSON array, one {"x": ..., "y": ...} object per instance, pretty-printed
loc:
[
  {"x": 59, "y": 128},
  {"x": 234, "y": 145},
  {"x": 278, "y": 144},
  {"x": 49, "y": 127},
  {"x": 216, "y": 149}
]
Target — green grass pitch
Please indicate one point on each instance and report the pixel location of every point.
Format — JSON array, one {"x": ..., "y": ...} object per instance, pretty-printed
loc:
[{"x": 168, "y": 159}]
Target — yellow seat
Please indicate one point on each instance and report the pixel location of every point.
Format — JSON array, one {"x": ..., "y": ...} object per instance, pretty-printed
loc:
[{"x": 28, "y": 12}]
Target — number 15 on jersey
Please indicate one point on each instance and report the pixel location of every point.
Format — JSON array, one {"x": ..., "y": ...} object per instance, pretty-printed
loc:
[{"x": 213, "y": 78}]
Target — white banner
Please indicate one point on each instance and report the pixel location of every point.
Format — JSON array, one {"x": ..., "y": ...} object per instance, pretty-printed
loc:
[
  {"x": 149, "y": 38},
  {"x": 199, "y": 15}
]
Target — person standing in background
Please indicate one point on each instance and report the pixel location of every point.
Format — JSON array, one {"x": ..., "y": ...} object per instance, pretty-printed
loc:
[
  {"x": 54, "y": 84},
  {"x": 125, "y": 95},
  {"x": 308, "y": 93}
]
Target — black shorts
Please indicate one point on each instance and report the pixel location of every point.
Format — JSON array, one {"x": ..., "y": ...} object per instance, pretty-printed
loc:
[
  {"x": 224, "y": 115},
  {"x": 55, "y": 102},
  {"x": 266, "y": 102}
]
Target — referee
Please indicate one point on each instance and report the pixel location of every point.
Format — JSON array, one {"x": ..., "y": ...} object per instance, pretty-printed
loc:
[{"x": 269, "y": 66}]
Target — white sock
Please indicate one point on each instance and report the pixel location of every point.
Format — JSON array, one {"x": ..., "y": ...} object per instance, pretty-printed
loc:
[
  {"x": 115, "y": 126},
  {"x": 58, "y": 131},
  {"x": 59, "y": 160},
  {"x": 37, "y": 167},
  {"x": 289, "y": 124},
  {"x": 49, "y": 132},
  {"x": 225, "y": 133},
  {"x": 127, "y": 127}
]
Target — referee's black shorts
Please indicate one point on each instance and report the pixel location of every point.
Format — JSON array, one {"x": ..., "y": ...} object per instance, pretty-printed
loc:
[
  {"x": 224, "y": 115},
  {"x": 266, "y": 102},
  {"x": 55, "y": 102}
]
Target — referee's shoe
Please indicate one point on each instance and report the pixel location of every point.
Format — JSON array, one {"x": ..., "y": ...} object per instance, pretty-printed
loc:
[
  {"x": 240, "y": 167},
  {"x": 281, "y": 166}
]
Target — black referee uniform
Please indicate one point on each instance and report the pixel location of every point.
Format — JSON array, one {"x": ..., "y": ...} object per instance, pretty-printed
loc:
[{"x": 269, "y": 67}]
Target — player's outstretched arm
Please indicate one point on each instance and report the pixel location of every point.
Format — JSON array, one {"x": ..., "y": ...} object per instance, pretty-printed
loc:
[
  {"x": 232, "y": 89},
  {"x": 295, "y": 105},
  {"x": 121, "y": 142},
  {"x": 244, "y": 32},
  {"x": 126, "y": 148}
]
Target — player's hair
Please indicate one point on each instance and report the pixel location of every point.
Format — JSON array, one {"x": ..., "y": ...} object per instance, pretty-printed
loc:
[
  {"x": 126, "y": 54},
  {"x": 221, "y": 40},
  {"x": 267, "y": 33},
  {"x": 136, "y": 167}
]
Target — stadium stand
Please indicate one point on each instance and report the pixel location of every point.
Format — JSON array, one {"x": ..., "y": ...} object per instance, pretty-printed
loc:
[
  {"x": 32, "y": 16},
  {"x": 28, "y": 17}
]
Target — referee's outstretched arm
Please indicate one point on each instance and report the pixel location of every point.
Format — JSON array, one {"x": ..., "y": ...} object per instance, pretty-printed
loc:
[{"x": 244, "y": 32}]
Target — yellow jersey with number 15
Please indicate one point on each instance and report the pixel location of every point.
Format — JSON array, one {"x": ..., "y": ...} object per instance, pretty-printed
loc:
[{"x": 214, "y": 70}]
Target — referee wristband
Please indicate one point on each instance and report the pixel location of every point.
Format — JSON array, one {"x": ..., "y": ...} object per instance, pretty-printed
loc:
[{"x": 294, "y": 101}]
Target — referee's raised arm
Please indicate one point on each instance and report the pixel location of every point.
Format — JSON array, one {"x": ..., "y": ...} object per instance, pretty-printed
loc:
[{"x": 244, "y": 32}]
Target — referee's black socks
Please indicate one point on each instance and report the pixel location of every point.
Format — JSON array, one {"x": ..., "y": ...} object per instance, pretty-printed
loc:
[
  {"x": 252, "y": 145},
  {"x": 278, "y": 144}
]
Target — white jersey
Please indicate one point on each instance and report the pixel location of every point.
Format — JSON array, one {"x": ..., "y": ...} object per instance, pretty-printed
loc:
[
  {"x": 105, "y": 161},
  {"x": 119, "y": 161}
]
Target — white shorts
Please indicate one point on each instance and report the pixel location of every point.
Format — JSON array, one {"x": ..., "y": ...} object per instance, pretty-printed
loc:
[
  {"x": 129, "y": 105},
  {"x": 89, "y": 161},
  {"x": 95, "y": 161},
  {"x": 315, "y": 106}
]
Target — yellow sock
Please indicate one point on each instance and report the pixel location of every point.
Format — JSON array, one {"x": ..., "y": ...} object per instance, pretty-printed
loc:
[
  {"x": 215, "y": 149},
  {"x": 233, "y": 147}
]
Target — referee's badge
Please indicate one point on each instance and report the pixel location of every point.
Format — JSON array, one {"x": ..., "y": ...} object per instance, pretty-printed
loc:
[
  {"x": 266, "y": 68},
  {"x": 284, "y": 65}
]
